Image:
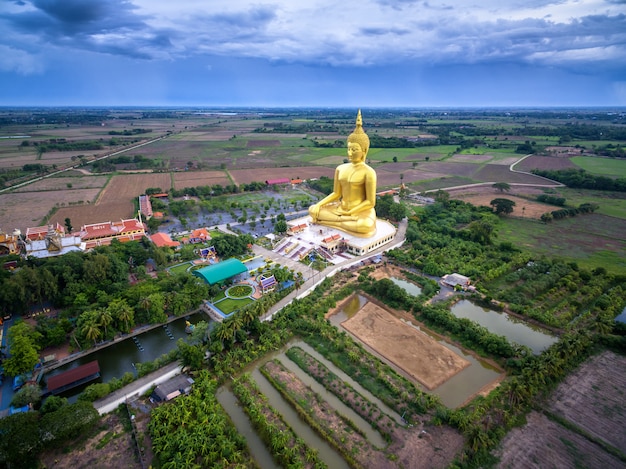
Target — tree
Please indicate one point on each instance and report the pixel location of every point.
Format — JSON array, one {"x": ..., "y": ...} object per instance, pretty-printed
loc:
[
  {"x": 23, "y": 348},
  {"x": 191, "y": 356},
  {"x": 502, "y": 186},
  {"x": 29, "y": 394},
  {"x": 502, "y": 206},
  {"x": 480, "y": 231},
  {"x": 91, "y": 330},
  {"x": 546, "y": 217},
  {"x": 105, "y": 319},
  {"x": 68, "y": 225},
  {"x": 21, "y": 440},
  {"x": 123, "y": 314},
  {"x": 280, "y": 226}
]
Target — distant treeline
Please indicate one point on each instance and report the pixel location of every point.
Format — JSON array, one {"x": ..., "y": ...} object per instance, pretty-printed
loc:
[
  {"x": 109, "y": 164},
  {"x": 67, "y": 146},
  {"x": 579, "y": 178},
  {"x": 127, "y": 132},
  {"x": 216, "y": 190},
  {"x": 279, "y": 127},
  {"x": 34, "y": 168},
  {"x": 552, "y": 200}
]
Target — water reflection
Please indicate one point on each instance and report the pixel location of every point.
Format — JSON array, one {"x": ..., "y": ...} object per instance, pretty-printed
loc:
[
  {"x": 244, "y": 427},
  {"x": 121, "y": 357},
  {"x": 503, "y": 324},
  {"x": 410, "y": 288}
]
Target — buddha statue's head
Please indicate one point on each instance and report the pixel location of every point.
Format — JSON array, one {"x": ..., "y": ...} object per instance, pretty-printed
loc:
[{"x": 359, "y": 136}]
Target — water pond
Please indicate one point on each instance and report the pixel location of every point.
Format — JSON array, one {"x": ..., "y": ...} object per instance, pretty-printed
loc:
[
  {"x": 506, "y": 325},
  {"x": 455, "y": 391},
  {"x": 120, "y": 357}
]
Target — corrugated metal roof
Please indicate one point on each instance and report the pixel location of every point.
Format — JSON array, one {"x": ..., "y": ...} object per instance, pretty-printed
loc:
[
  {"x": 73, "y": 375},
  {"x": 221, "y": 271}
]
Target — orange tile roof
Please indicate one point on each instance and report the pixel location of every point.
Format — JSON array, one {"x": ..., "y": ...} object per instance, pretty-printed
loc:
[{"x": 163, "y": 239}]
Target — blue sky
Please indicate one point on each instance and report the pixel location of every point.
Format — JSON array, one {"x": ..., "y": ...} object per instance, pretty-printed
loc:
[{"x": 366, "y": 53}]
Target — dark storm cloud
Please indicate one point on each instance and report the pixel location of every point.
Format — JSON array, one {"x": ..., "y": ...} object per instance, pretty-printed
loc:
[{"x": 109, "y": 26}]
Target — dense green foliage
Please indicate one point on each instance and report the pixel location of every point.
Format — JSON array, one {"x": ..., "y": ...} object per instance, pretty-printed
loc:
[
  {"x": 196, "y": 432},
  {"x": 24, "y": 435},
  {"x": 94, "y": 295},
  {"x": 579, "y": 178}
]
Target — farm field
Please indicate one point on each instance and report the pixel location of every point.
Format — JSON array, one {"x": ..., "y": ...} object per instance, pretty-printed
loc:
[
  {"x": 116, "y": 201},
  {"x": 610, "y": 203},
  {"x": 200, "y": 178},
  {"x": 246, "y": 176},
  {"x": 591, "y": 399},
  {"x": 612, "y": 167},
  {"x": 590, "y": 240},
  {"x": 418, "y": 354},
  {"x": 22, "y": 210}
]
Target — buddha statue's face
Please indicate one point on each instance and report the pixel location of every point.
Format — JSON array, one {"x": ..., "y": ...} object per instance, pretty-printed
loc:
[{"x": 355, "y": 153}]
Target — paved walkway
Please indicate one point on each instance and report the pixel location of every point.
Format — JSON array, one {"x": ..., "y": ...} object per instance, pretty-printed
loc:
[
  {"x": 315, "y": 278},
  {"x": 136, "y": 388}
]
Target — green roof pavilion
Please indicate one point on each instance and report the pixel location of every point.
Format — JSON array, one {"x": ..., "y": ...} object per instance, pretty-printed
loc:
[{"x": 221, "y": 271}]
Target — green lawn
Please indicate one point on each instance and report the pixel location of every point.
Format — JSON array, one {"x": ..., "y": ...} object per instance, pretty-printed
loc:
[
  {"x": 180, "y": 268},
  {"x": 603, "y": 166},
  {"x": 228, "y": 305}
]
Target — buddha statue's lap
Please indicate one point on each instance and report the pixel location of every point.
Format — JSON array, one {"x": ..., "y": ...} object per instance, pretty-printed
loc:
[{"x": 350, "y": 207}]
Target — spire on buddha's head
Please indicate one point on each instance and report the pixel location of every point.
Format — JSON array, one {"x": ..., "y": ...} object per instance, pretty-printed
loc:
[{"x": 359, "y": 136}]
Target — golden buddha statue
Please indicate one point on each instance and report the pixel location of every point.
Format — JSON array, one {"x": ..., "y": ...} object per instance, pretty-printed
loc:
[{"x": 350, "y": 207}]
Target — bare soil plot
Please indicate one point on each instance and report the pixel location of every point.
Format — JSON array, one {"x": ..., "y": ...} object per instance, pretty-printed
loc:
[
  {"x": 386, "y": 178},
  {"x": 470, "y": 158},
  {"x": 593, "y": 399},
  {"x": 200, "y": 178},
  {"x": 545, "y": 162},
  {"x": 112, "y": 446},
  {"x": 544, "y": 444},
  {"x": 395, "y": 167},
  {"x": 81, "y": 215},
  {"x": 416, "y": 353},
  {"x": 28, "y": 209},
  {"x": 500, "y": 173},
  {"x": 246, "y": 176},
  {"x": 61, "y": 184},
  {"x": 124, "y": 188},
  {"x": 449, "y": 169},
  {"x": 523, "y": 207},
  {"x": 116, "y": 201}
]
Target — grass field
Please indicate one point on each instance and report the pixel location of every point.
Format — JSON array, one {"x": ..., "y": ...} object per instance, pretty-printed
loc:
[
  {"x": 604, "y": 166},
  {"x": 228, "y": 305},
  {"x": 589, "y": 240},
  {"x": 611, "y": 203}
]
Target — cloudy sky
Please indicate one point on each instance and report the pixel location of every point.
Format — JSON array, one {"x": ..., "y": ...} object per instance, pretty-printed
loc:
[{"x": 367, "y": 53}]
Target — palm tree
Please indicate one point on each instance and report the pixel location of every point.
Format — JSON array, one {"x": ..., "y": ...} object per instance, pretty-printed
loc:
[
  {"x": 92, "y": 331},
  {"x": 123, "y": 312},
  {"x": 105, "y": 319}
]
